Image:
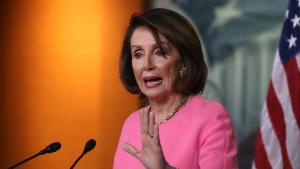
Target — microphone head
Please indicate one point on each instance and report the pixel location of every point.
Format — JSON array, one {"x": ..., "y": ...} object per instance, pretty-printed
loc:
[
  {"x": 51, "y": 148},
  {"x": 89, "y": 146}
]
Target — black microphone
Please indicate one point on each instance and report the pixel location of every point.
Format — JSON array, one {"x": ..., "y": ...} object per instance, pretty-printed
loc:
[
  {"x": 49, "y": 149},
  {"x": 88, "y": 147}
]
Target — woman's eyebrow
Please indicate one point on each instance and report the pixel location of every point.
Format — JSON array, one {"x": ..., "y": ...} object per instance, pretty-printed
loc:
[
  {"x": 135, "y": 46},
  {"x": 162, "y": 43}
]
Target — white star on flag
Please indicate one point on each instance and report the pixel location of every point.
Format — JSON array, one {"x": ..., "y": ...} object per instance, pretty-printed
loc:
[
  {"x": 287, "y": 13},
  {"x": 292, "y": 41},
  {"x": 296, "y": 21}
]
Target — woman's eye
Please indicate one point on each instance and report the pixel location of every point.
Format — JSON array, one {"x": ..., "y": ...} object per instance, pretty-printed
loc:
[
  {"x": 138, "y": 55},
  {"x": 160, "y": 52}
]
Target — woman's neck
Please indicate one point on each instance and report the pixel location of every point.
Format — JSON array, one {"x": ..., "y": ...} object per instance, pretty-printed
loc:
[{"x": 163, "y": 107}]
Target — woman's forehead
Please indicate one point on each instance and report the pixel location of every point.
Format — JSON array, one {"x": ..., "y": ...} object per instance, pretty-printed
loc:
[{"x": 143, "y": 33}]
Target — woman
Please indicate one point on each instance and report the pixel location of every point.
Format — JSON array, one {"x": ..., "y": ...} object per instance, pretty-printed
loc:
[{"x": 162, "y": 60}]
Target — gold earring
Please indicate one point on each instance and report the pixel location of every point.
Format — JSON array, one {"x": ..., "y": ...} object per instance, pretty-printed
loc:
[{"x": 182, "y": 73}]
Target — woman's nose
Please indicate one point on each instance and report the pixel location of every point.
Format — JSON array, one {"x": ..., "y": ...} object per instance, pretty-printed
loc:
[{"x": 148, "y": 63}]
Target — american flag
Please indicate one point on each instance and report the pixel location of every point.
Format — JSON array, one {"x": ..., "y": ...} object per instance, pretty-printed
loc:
[{"x": 278, "y": 140}]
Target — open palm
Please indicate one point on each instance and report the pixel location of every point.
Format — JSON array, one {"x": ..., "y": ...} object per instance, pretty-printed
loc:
[{"x": 151, "y": 154}]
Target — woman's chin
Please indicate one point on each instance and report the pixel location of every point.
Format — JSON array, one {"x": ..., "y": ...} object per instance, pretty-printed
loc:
[
  {"x": 153, "y": 94},
  {"x": 156, "y": 94}
]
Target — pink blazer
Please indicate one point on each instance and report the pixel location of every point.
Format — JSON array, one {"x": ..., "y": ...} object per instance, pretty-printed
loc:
[{"x": 199, "y": 136}]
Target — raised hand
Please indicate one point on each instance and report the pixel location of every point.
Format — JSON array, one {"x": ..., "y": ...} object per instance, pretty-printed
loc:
[{"x": 151, "y": 154}]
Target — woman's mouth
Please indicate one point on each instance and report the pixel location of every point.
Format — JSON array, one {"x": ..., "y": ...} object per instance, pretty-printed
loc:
[{"x": 152, "y": 81}]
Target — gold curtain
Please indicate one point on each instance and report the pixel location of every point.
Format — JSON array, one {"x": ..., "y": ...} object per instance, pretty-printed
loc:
[{"x": 60, "y": 82}]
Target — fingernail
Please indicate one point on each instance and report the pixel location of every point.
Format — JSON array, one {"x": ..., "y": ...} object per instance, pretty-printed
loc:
[{"x": 124, "y": 144}]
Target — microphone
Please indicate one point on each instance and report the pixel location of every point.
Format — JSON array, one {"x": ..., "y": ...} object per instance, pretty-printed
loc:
[
  {"x": 88, "y": 147},
  {"x": 53, "y": 147}
]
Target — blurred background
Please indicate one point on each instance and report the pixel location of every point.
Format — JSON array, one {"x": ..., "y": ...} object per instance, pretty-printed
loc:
[{"x": 60, "y": 82}]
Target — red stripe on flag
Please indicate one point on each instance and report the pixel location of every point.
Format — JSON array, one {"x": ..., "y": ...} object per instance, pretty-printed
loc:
[
  {"x": 261, "y": 160},
  {"x": 293, "y": 78},
  {"x": 277, "y": 119}
]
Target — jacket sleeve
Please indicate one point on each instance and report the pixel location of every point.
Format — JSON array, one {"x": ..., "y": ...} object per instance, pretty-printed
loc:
[
  {"x": 217, "y": 145},
  {"x": 131, "y": 134}
]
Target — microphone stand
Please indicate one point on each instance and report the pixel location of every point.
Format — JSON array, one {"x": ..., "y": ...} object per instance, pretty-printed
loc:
[
  {"x": 23, "y": 161},
  {"x": 77, "y": 160},
  {"x": 88, "y": 147},
  {"x": 53, "y": 147}
]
